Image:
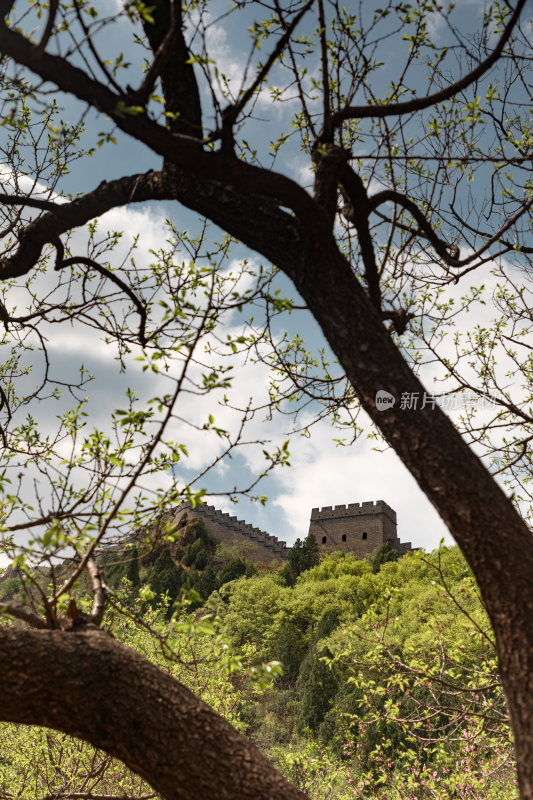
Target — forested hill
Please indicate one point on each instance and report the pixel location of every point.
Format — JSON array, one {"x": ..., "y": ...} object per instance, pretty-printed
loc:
[
  {"x": 185, "y": 557},
  {"x": 189, "y": 559},
  {"x": 357, "y": 679}
]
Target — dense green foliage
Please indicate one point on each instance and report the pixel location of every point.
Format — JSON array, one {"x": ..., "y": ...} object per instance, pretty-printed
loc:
[
  {"x": 302, "y": 556},
  {"x": 189, "y": 561},
  {"x": 38, "y": 762},
  {"x": 385, "y": 553},
  {"x": 389, "y": 687}
]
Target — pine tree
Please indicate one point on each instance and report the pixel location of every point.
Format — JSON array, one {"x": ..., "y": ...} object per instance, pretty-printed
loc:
[
  {"x": 295, "y": 560},
  {"x": 317, "y": 682},
  {"x": 310, "y": 552},
  {"x": 132, "y": 572},
  {"x": 207, "y": 582},
  {"x": 319, "y": 688},
  {"x": 302, "y": 556},
  {"x": 289, "y": 648},
  {"x": 385, "y": 553},
  {"x": 166, "y": 577},
  {"x": 200, "y": 561},
  {"x": 233, "y": 570}
]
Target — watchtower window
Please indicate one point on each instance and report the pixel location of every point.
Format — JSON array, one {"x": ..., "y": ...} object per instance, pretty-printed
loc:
[
  {"x": 323, "y": 540},
  {"x": 343, "y": 537},
  {"x": 365, "y": 535}
]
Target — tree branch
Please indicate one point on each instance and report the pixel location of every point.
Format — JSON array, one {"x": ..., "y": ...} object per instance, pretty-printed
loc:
[
  {"x": 247, "y": 216},
  {"x": 178, "y": 149},
  {"x": 180, "y": 88},
  {"x": 18, "y": 612},
  {"x": 63, "y": 217},
  {"x": 31, "y": 202},
  {"x": 108, "y": 76},
  {"x": 232, "y": 112},
  {"x": 161, "y": 56},
  {"x": 448, "y": 252},
  {"x": 52, "y": 12},
  {"x": 357, "y": 213},
  {"x": 327, "y": 129},
  {"x": 420, "y": 103},
  {"x": 112, "y": 276},
  {"x": 88, "y": 690},
  {"x": 99, "y": 592}
]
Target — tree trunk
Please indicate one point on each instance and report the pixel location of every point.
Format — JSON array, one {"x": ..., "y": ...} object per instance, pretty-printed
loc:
[
  {"x": 170, "y": 735},
  {"x": 90, "y": 686},
  {"x": 491, "y": 534}
]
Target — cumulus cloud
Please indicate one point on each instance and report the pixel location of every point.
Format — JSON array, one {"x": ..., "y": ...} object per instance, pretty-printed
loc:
[{"x": 321, "y": 474}]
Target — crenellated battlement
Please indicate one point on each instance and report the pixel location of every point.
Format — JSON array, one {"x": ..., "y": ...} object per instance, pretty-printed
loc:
[
  {"x": 360, "y": 528},
  {"x": 226, "y": 526},
  {"x": 354, "y": 509}
]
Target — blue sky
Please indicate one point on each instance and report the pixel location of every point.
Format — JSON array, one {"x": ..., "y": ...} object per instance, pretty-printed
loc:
[{"x": 322, "y": 473}]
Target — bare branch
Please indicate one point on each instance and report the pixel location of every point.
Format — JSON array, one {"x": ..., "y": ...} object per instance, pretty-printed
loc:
[
  {"x": 420, "y": 103},
  {"x": 357, "y": 212},
  {"x": 326, "y": 128},
  {"x": 232, "y": 112},
  {"x": 18, "y": 612},
  {"x": 52, "y": 13},
  {"x": 180, "y": 88},
  {"x": 31, "y": 202},
  {"x": 162, "y": 55},
  {"x": 62, "y": 218},
  {"x": 89, "y": 262},
  {"x": 99, "y": 592},
  {"x": 109, "y": 77},
  {"x": 448, "y": 252}
]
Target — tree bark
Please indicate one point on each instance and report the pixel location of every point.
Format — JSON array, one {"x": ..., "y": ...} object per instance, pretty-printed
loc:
[
  {"x": 179, "y": 745},
  {"x": 491, "y": 534},
  {"x": 90, "y": 686}
]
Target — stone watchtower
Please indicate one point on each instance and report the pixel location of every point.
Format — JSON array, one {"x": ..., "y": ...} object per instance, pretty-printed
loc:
[{"x": 356, "y": 528}]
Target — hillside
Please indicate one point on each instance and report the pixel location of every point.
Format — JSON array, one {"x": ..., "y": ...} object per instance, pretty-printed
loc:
[{"x": 388, "y": 686}]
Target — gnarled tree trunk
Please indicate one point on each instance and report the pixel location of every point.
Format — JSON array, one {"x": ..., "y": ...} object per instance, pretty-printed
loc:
[{"x": 88, "y": 685}]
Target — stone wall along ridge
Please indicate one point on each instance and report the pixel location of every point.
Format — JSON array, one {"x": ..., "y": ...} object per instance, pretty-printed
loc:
[{"x": 259, "y": 537}]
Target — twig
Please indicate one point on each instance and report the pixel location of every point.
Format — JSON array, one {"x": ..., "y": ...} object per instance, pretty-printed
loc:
[
  {"x": 23, "y": 614},
  {"x": 52, "y": 12},
  {"x": 327, "y": 128},
  {"x": 69, "y": 262},
  {"x": 99, "y": 590}
]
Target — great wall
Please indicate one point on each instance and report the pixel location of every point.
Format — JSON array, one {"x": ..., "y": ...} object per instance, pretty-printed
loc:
[{"x": 355, "y": 528}]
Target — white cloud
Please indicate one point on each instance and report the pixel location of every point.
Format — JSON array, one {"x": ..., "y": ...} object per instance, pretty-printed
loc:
[
  {"x": 321, "y": 473},
  {"x": 325, "y": 475}
]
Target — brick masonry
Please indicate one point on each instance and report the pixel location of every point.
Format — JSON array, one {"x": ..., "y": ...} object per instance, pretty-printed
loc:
[
  {"x": 355, "y": 528},
  {"x": 252, "y": 543}
]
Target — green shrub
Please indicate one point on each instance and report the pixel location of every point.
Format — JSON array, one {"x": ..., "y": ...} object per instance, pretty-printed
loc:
[
  {"x": 166, "y": 577},
  {"x": 235, "y": 569},
  {"x": 200, "y": 561},
  {"x": 207, "y": 583},
  {"x": 385, "y": 553},
  {"x": 193, "y": 551},
  {"x": 9, "y": 588}
]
